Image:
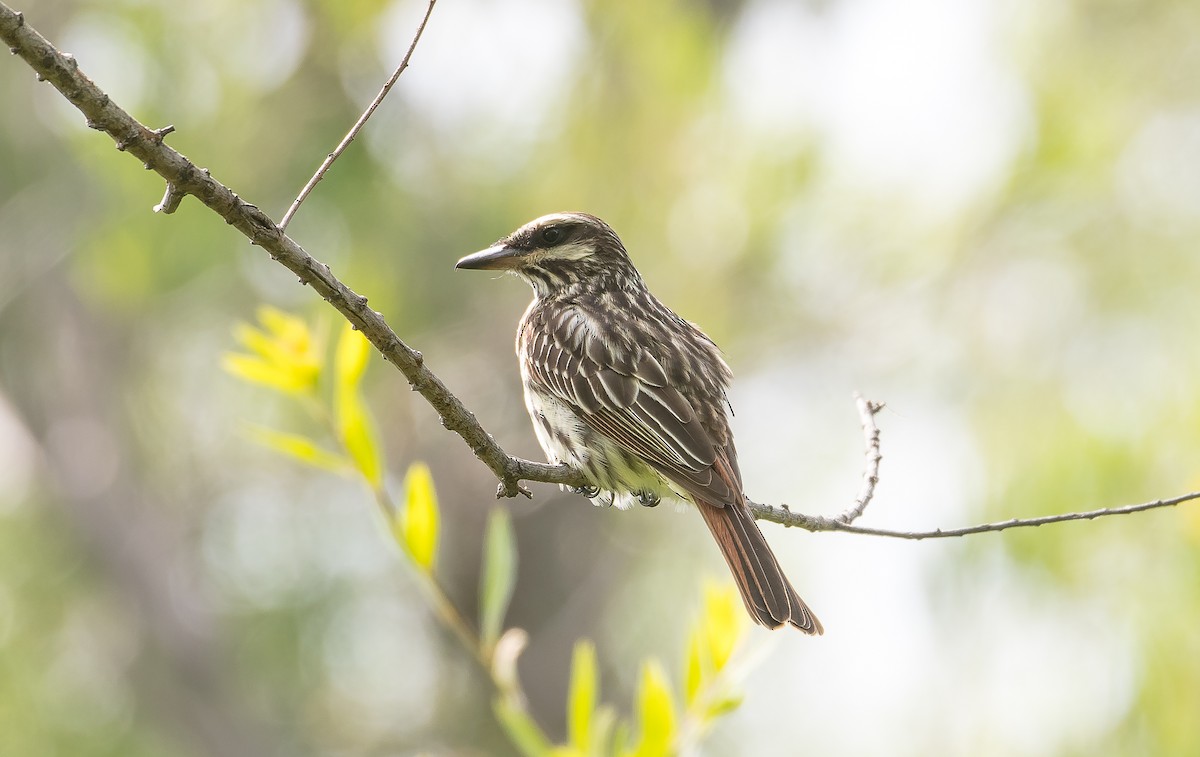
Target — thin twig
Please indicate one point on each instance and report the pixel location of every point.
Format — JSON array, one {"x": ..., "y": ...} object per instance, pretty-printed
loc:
[
  {"x": 148, "y": 147},
  {"x": 358, "y": 125},
  {"x": 786, "y": 517},
  {"x": 867, "y": 411}
]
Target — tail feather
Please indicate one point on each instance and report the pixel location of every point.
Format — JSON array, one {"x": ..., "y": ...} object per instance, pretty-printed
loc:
[{"x": 769, "y": 596}]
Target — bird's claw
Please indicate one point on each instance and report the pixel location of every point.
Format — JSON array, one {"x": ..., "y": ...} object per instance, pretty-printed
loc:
[
  {"x": 647, "y": 499},
  {"x": 586, "y": 491}
]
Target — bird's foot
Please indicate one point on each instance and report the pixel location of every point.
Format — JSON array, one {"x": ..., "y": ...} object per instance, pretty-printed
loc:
[
  {"x": 586, "y": 491},
  {"x": 647, "y": 499}
]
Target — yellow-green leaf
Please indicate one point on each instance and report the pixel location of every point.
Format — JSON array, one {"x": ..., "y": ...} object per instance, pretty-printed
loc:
[
  {"x": 499, "y": 576},
  {"x": 694, "y": 668},
  {"x": 282, "y": 324},
  {"x": 255, "y": 370},
  {"x": 350, "y": 357},
  {"x": 301, "y": 448},
  {"x": 656, "y": 713},
  {"x": 418, "y": 520},
  {"x": 581, "y": 699},
  {"x": 354, "y": 424},
  {"x": 723, "y": 705},
  {"x": 285, "y": 356},
  {"x": 724, "y": 623},
  {"x": 357, "y": 433}
]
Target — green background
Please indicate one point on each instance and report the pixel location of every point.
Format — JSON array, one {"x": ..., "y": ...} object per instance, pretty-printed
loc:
[{"x": 985, "y": 213}]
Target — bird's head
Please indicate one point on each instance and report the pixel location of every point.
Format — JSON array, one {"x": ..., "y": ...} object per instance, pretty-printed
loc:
[{"x": 558, "y": 252}]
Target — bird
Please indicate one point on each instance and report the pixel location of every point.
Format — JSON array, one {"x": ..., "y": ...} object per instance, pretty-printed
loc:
[{"x": 633, "y": 396}]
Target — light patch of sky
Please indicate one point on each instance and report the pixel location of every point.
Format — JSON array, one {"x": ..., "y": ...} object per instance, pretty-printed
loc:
[
  {"x": 708, "y": 225},
  {"x": 261, "y": 42},
  {"x": 907, "y": 98},
  {"x": 501, "y": 68},
  {"x": 929, "y": 675},
  {"x": 1020, "y": 651},
  {"x": 1158, "y": 176},
  {"x": 1027, "y": 306},
  {"x": 1122, "y": 377}
]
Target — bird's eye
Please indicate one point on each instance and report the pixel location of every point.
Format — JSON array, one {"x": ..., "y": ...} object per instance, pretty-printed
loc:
[{"x": 550, "y": 236}]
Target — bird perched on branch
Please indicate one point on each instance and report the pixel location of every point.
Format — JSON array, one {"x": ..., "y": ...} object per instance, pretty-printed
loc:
[{"x": 625, "y": 391}]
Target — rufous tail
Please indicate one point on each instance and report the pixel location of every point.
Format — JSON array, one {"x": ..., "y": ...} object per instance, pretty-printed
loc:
[{"x": 769, "y": 596}]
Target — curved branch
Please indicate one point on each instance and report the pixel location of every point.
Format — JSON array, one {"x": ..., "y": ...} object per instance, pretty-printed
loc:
[
  {"x": 184, "y": 178},
  {"x": 867, "y": 410}
]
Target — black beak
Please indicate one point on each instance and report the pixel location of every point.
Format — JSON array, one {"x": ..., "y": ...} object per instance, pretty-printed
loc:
[{"x": 498, "y": 257}]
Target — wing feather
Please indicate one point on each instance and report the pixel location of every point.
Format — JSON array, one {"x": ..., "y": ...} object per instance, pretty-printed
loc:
[{"x": 623, "y": 391}]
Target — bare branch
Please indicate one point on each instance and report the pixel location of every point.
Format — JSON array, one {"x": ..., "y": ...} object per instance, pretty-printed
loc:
[
  {"x": 358, "y": 125},
  {"x": 867, "y": 411},
  {"x": 147, "y": 146},
  {"x": 786, "y": 517},
  {"x": 186, "y": 178}
]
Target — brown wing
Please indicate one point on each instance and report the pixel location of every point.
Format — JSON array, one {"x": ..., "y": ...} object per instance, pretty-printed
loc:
[{"x": 622, "y": 390}]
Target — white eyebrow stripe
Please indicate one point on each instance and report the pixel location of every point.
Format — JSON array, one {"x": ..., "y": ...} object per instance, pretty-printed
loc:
[{"x": 571, "y": 251}]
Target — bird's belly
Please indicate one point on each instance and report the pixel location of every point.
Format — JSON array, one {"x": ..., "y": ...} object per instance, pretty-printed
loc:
[{"x": 620, "y": 475}]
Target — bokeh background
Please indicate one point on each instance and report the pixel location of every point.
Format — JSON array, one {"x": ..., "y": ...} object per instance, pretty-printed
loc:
[{"x": 984, "y": 212}]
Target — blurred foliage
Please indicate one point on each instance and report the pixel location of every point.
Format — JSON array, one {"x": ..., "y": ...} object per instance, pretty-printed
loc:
[
  {"x": 983, "y": 213},
  {"x": 285, "y": 361}
]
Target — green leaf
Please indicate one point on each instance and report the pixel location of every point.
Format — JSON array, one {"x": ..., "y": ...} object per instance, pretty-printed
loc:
[
  {"x": 621, "y": 739},
  {"x": 499, "y": 576},
  {"x": 656, "y": 712},
  {"x": 522, "y": 731},
  {"x": 416, "y": 526},
  {"x": 354, "y": 424},
  {"x": 581, "y": 700},
  {"x": 301, "y": 448},
  {"x": 603, "y": 721},
  {"x": 723, "y": 705}
]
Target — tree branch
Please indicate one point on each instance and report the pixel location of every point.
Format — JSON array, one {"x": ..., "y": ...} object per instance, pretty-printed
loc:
[
  {"x": 786, "y": 517},
  {"x": 867, "y": 411},
  {"x": 185, "y": 178},
  {"x": 359, "y": 124}
]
